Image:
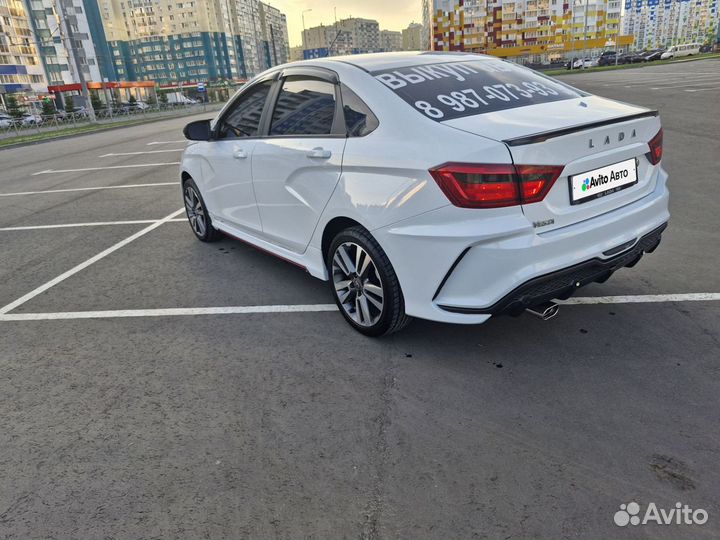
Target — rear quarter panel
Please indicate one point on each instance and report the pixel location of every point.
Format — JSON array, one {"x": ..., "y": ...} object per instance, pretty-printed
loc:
[{"x": 385, "y": 176}]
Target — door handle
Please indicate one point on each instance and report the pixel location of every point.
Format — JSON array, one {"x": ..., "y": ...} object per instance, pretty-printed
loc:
[
  {"x": 239, "y": 153},
  {"x": 319, "y": 153}
]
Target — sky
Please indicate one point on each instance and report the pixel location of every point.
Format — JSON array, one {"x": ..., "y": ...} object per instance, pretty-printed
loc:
[{"x": 397, "y": 17}]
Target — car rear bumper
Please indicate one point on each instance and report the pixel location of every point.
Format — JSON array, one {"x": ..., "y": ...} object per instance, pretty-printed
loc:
[
  {"x": 463, "y": 266},
  {"x": 561, "y": 284}
]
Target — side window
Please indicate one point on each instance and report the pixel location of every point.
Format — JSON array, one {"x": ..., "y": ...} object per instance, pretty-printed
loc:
[
  {"x": 359, "y": 119},
  {"x": 243, "y": 120},
  {"x": 304, "y": 107}
]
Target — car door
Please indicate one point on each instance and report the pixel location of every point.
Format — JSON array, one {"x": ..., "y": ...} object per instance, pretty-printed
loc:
[
  {"x": 229, "y": 189},
  {"x": 297, "y": 165}
]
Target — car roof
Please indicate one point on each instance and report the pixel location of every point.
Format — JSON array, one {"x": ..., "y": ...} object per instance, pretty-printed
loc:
[{"x": 391, "y": 60}]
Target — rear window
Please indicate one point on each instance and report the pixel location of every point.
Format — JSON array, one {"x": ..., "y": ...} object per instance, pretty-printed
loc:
[{"x": 450, "y": 90}]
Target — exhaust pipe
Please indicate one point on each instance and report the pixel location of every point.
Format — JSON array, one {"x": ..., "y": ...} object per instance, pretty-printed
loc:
[{"x": 544, "y": 311}]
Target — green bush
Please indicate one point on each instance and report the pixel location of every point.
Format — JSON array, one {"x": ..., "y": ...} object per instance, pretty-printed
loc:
[
  {"x": 13, "y": 108},
  {"x": 48, "y": 109},
  {"x": 95, "y": 101}
]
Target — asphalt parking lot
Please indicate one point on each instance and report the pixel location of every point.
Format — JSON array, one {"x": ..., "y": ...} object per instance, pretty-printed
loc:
[{"x": 144, "y": 394}]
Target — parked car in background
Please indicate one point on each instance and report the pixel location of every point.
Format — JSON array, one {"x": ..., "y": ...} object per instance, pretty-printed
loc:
[
  {"x": 6, "y": 121},
  {"x": 626, "y": 58},
  {"x": 578, "y": 63},
  {"x": 31, "y": 119},
  {"x": 706, "y": 48},
  {"x": 178, "y": 98},
  {"x": 126, "y": 108},
  {"x": 651, "y": 56},
  {"x": 678, "y": 51},
  {"x": 607, "y": 58}
]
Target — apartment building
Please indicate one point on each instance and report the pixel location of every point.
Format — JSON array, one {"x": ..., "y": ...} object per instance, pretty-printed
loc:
[
  {"x": 62, "y": 25},
  {"x": 21, "y": 69},
  {"x": 365, "y": 33},
  {"x": 273, "y": 36},
  {"x": 347, "y": 36},
  {"x": 662, "y": 23},
  {"x": 413, "y": 38},
  {"x": 193, "y": 40},
  {"x": 540, "y": 29},
  {"x": 391, "y": 40},
  {"x": 320, "y": 41},
  {"x": 296, "y": 53}
]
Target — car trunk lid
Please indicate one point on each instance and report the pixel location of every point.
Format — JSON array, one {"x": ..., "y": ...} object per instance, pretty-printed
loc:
[{"x": 588, "y": 134}]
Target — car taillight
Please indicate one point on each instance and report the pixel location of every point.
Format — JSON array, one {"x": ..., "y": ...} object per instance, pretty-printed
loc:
[
  {"x": 656, "y": 148},
  {"x": 492, "y": 186}
]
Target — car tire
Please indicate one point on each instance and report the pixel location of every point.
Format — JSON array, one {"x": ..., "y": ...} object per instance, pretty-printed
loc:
[
  {"x": 197, "y": 213},
  {"x": 369, "y": 297}
]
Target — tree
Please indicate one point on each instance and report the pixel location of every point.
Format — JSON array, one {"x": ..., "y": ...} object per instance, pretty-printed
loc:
[
  {"x": 48, "y": 109},
  {"x": 132, "y": 100},
  {"x": 69, "y": 103},
  {"x": 13, "y": 108},
  {"x": 95, "y": 101},
  {"x": 163, "y": 98},
  {"x": 151, "y": 100}
]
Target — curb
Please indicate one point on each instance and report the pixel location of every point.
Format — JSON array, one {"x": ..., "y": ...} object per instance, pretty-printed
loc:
[{"x": 95, "y": 131}]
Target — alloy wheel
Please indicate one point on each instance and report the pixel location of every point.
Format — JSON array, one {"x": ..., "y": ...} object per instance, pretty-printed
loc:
[
  {"x": 195, "y": 211},
  {"x": 357, "y": 284}
]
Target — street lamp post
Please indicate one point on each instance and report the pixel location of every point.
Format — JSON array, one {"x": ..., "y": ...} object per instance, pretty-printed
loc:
[
  {"x": 302, "y": 16},
  {"x": 585, "y": 34},
  {"x": 572, "y": 37}
]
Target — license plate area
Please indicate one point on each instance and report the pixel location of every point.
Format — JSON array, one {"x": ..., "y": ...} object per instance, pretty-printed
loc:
[{"x": 600, "y": 182}]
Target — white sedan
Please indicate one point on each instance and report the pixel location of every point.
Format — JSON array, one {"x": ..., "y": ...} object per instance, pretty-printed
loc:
[
  {"x": 444, "y": 186},
  {"x": 31, "y": 119}
]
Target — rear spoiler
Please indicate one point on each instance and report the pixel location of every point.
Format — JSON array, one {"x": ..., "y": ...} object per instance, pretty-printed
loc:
[{"x": 545, "y": 135}]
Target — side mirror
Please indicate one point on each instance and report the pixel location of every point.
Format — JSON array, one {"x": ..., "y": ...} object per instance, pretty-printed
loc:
[{"x": 198, "y": 130}]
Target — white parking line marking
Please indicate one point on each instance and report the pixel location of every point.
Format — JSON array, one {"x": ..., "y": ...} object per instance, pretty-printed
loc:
[
  {"x": 642, "y": 298},
  {"x": 89, "y": 224},
  {"x": 167, "y": 312},
  {"x": 58, "y": 171},
  {"x": 62, "y": 277},
  {"x": 140, "y": 153},
  {"x": 165, "y": 142},
  {"x": 126, "y": 186},
  {"x": 670, "y": 87},
  {"x": 637, "y": 81},
  {"x": 244, "y": 310}
]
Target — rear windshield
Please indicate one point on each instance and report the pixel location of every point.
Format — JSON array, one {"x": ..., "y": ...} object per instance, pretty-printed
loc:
[{"x": 450, "y": 90}]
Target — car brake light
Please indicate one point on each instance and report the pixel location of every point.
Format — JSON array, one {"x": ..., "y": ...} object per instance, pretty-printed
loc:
[
  {"x": 656, "y": 148},
  {"x": 496, "y": 185}
]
